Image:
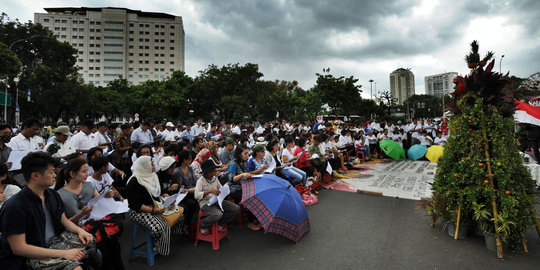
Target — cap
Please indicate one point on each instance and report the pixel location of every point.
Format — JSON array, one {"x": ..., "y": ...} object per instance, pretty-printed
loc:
[
  {"x": 258, "y": 148},
  {"x": 63, "y": 129},
  {"x": 230, "y": 140},
  {"x": 166, "y": 162},
  {"x": 169, "y": 124}
]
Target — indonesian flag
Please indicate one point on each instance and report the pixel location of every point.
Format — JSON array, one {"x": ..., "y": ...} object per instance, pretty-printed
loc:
[{"x": 527, "y": 113}]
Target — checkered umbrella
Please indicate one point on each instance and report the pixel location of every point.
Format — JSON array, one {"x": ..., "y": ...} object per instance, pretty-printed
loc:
[{"x": 277, "y": 205}]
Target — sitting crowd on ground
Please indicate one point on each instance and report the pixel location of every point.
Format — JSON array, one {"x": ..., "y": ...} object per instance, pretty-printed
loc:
[{"x": 45, "y": 217}]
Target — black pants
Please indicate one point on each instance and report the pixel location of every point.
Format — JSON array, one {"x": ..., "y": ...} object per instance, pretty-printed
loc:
[
  {"x": 111, "y": 254},
  {"x": 191, "y": 207}
]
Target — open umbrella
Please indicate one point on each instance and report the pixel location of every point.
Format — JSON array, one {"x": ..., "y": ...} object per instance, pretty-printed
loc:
[
  {"x": 277, "y": 205},
  {"x": 416, "y": 151},
  {"x": 393, "y": 149},
  {"x": 434, "y": 153}
]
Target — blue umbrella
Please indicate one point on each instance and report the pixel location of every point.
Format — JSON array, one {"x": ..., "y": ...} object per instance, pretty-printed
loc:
[
  {"x": 277, "y": 205},
  {"x": 416, "y": 151}
]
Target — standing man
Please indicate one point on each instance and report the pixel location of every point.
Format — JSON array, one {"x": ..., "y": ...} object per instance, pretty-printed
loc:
[
  {"x": 84, "y": 140},
  {"x": 24, "y": 141},
  {"x": 142, "y": 134},
  {"x": 197, "y": 128},
  {"x": 101, "y": 135}
]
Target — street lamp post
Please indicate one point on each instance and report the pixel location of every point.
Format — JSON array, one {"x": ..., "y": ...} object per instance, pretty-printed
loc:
[
  {"x": 6, "y": 93},
  {"x": 500, "y": 63},
  {"x": 371, "y": 87}
]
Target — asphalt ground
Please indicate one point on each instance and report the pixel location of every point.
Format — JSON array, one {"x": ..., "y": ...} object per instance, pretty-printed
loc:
[{"x": 348, "y": 231}]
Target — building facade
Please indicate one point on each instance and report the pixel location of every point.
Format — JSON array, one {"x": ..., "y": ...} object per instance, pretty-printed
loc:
[
  {"x": 114, "y": 42},
  {"x": 401, "y": 84},
  {"x": 438, "y": 84}
]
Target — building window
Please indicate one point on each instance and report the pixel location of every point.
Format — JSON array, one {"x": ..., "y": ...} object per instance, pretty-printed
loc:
[
  {"x": 73, "y": 37},
  {"x": 81, "y": 37},
  {"x": 130, "y": 76},
  {"x": 113, "y": 37},
  {"x": 131, "y": 61},
  {"x": 98, "y": 30},
  {"x": 131, "y": 32},
  {"x": 147, "y": 33},
  {"x": 172, "y": 48},
  {"x": 91, "y": 45},
  {"x": 113, "y": 30},
  {"x": 91, "y": 68},
  {"x": 92, "y": 22},
  {"x": 130, "y": 69},
  {"x": 91, "y": 38},
  {"x": 74, "y": 29},
  {"x": 112, "y": 60},
  {"x": 156, "y": 76},
  {"x": 172, "y": 26},
  {"x": 98, "y": 23},
  {"x": 112, "y": 45},
  {"x": 63, "y": 36},
  {"x": 81, "y": 29},
  {"x": 112, "y": 52},
  {"x": 80, "y": 60},
  {"x": 64, "y": 21},
  {"x": 81, "y": 52},
  {"x": 147, "y": 62},
  {"x": 98, "y": 68},
  {"x": 172, "y": 54},
  {"x": 130, "y": 54},
  {"x": 141, "y": 25},
  {"x": 172, "y": 34},
  {"x": 172, "y": 69},
  {"x": 81, "y": 45},
  {"x": 98, "y": 38},
  {"x": 162, "y": 69},
  {"x": 91, "y": 53},
  {"x": 172, "y": 62},
  {"x": 130, "y": 46},
  {"x": 45, "y": 20},
  {"x": 172, "y": 40},
  {"x": 114, "y": 22},
  {"x": 57, "y": 21},
  {"x": 131, "y": 39}
]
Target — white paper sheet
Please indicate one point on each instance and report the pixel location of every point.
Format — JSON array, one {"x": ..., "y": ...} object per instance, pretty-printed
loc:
[
  {"x": 271, "y": 167},
  {"x": 257, "y": 175},
  {"x": 96, "y": 199},
  {"x": 108, "y": 153},
  {"x": 15, "y": 158},
  {"x": 169, "y": 200},
  {"x": 328, "y": 168},
  {"x": 106, "y": 206},
  {"x": 223, "y": 192}
]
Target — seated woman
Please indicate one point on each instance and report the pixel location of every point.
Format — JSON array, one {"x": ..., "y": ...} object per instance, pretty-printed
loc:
[
  {"x": 201, "y": 157},
  {"x": 75, "y": 193},
  {"x": 184, "y": 176},
  {"x": 168, "y": 185},
  {"x": 142, "y": 189},
  {"x": 272, "y": 158},
  {"x": 7, "y": 187},
  {"x": 257, "y": 164},
  {"x": 221, "y": 168},
  {"x": 303, "y": 162},
  {"x": 207, "y": 187},
  {"x": 297, "y": 176},
  {"x": 237, "y": 172}
]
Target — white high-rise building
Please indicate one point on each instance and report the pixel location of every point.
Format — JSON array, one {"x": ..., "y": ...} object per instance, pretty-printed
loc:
[
  {"x": 401, "y": 84},
  {"x": 438, "y": 84},
  {"x": 114, "y": 42}
]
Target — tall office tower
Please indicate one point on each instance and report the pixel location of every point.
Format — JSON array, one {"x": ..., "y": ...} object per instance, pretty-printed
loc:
[
  {"x": 114, "y": 42},
  {"x": 401, "y": 84},
  {"x": 438, "y": 84}
]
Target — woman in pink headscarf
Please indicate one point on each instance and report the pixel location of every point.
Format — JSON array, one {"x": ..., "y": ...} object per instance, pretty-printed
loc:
[
  {"x": 201, "y": 157},
  {"x": 444, "y": 126}
]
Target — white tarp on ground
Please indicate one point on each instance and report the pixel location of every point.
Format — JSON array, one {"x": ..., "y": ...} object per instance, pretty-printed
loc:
[{"x": 406, "y": 179}]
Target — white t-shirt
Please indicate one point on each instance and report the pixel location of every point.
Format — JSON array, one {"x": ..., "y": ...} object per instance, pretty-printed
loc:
[
  {"x": 425, "y": 140},
  {"x": 21, "y": 143},
  {"x": 371, "y": 139},
  {"x": 415, "y": 134},
  {"x": 106, "y": 181},
  {"x": 81, "y": 141},
  {"x": 440, "y": 141},
  {"x": 289, "y": 156}
]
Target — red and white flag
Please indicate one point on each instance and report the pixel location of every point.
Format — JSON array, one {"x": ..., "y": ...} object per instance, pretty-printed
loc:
[{"x": 527, "y": 113}]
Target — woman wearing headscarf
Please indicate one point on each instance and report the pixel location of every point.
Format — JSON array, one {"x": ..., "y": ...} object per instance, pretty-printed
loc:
[
  {"x": 201, "y": 157},
  {"x": 143, "y": 188}
]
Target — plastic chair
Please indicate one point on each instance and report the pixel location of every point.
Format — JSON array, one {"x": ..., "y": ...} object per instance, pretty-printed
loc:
[
  {"x": 214, "y": 236},
  {"x": 360, "y": 153},
  {"x": 150, "y": 252}
]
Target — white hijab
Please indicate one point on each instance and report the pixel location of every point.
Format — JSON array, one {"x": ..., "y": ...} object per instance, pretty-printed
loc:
[{"x": 142, "y": 171}]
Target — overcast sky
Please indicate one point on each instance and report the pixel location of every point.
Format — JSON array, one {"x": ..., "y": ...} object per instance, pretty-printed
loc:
[{"x": 293, "y": 40}]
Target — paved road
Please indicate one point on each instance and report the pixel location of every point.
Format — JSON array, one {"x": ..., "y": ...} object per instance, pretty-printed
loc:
[{"x": 348, "y": 231}]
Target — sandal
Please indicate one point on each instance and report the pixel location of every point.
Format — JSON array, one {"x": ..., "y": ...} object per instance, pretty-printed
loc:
[{"x": 205, "y": 231}]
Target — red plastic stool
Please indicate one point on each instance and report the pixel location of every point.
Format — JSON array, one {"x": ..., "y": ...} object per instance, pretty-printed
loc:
[
  {"x": 240, "y": 217},
  {"x": 360, "y": 152},
  {"x": 214, "y": 236}
]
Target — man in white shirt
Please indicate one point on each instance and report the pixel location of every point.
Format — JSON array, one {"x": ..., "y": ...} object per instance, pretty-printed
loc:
[
  {"x": 197, "y": 128},
  {"x": 425, "y": 139},
  {"x": 59, "y": 146},
  {"x": 430, "y": 127},
  {"x": 84, "y": 140},
  {"x": 179, "y": 132},
  {"x": 376, "y": 126},
  {"x": 142, "y": 134},
  {"x": 103, "y": 140},
  {"x": 236, "y": 129},
  {"x": 168, "y": 132},
  {"x": 260, "y": 130},
  {"x": 24, "y": 141},
  {"x": 415, "y": 128}
]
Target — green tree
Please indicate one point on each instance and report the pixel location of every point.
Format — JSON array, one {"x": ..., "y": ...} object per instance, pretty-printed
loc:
[
  {"x": 10, "y": 65},
  {"x": 341, "y": 94}
]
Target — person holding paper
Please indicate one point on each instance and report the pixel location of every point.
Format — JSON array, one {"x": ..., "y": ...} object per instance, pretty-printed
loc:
[
  {"x": 142, "y": 189},
  {"x": 184, "y": 176},
  {"x": 207, "y": 187},
  {"x": 76, "y": 194},
  {"x": 167, "y": 165},
  {"x": 101, "y": 179},
  {"x": 35, "y": 230},
  {"x": 257, "y": 164},
  {"x": 59, "y": 146},
  {"x": 271, "y": 156},
  {"x": 25, "y": 141}
]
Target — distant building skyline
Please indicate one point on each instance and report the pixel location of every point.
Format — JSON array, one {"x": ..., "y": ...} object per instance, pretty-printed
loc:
[
  {"x": 436, "y": 85},
  {"x": 114, "y": 42},
  {"x": 402, "y": 84}
]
